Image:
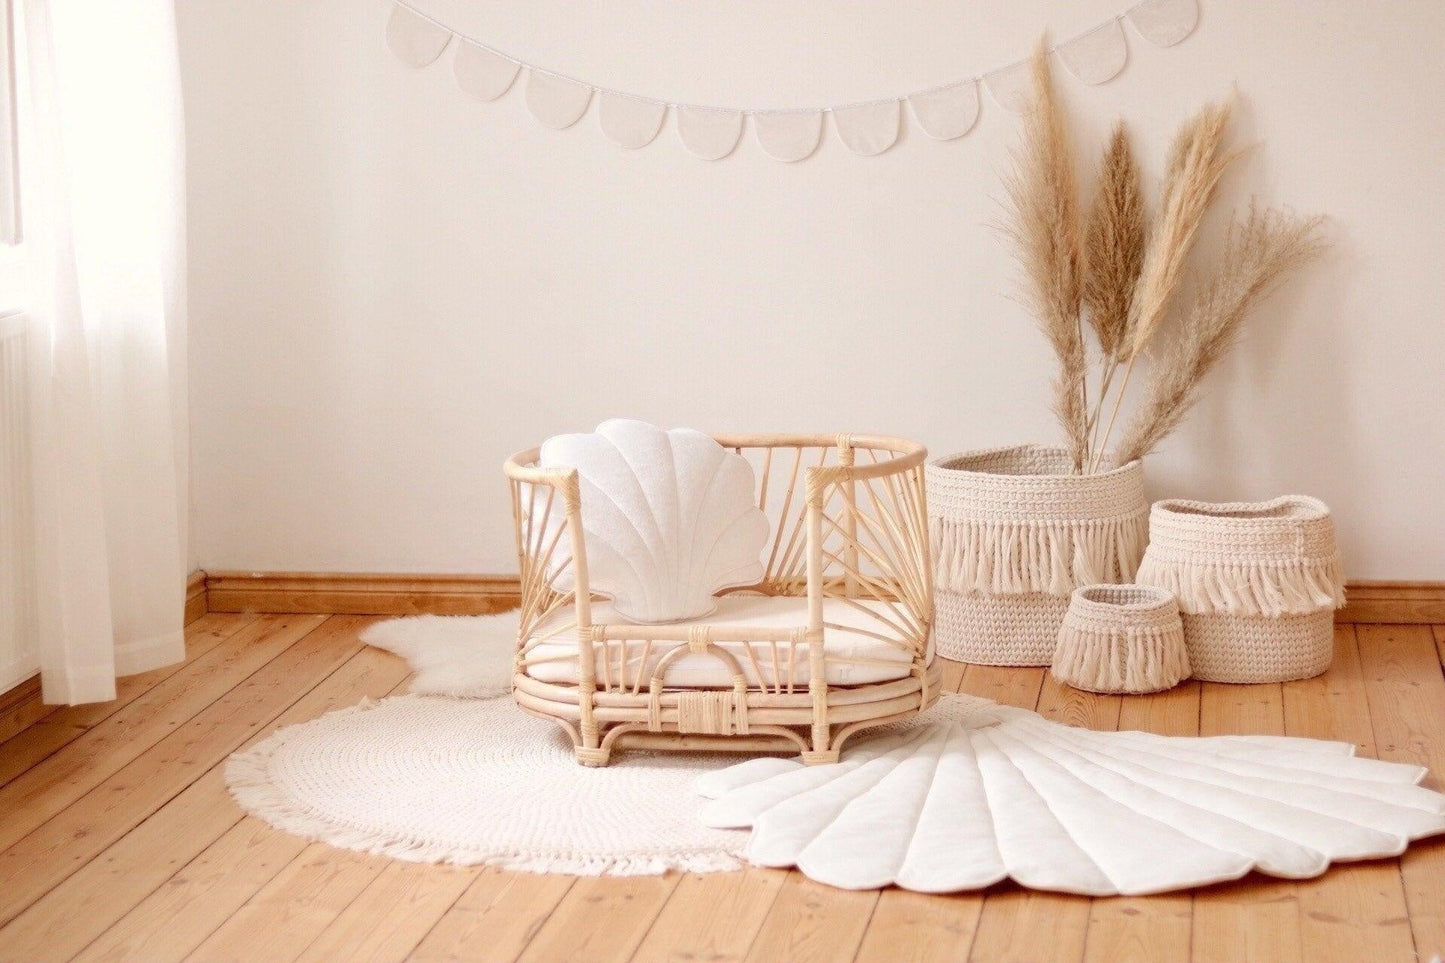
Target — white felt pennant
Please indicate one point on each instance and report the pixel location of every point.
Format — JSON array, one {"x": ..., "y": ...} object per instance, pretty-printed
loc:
[
  {"x": 709, "y": 133},
  {"x": 1097, "y": 56},
  {"x": 556, "y": 101},
  {"x": 1164, "y": 22},
  {"x": 868, "y": 129},
  {"x": 414, "y": 39},
  {"x": 1011, "y": 86},
  {"x": 631, "y": 122},
  {"x": 946, "y": 112},
  {"x": 788, "y": 135},
  {"x": 483, "y": 73}
]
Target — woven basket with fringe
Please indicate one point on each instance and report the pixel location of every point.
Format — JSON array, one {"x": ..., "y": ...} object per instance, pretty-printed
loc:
[
  {"x": 1013, "y": 534},
  {"x": 1256, "y": 582},
  {"x": 1121, "y": 638}
]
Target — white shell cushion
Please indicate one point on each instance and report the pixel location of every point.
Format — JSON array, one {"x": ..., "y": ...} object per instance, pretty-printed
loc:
[
  {"x": 556, "y": 657},
  {"x": 669, "y": 516},
  {"x": 976, "y": 792}
]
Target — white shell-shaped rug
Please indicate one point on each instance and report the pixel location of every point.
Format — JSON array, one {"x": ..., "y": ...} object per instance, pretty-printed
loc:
[{"x": 997, "y": 792}]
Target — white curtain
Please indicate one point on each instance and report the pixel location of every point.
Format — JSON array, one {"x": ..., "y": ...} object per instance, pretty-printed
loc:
[{"x": 102, "y": 203}]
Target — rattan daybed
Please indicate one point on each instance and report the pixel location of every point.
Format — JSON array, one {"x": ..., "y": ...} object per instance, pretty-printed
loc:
[{"x": 834, "y": 638}]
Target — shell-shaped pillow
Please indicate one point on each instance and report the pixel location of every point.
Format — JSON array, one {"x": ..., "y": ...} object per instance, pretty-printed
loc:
[{"x": 669, "y": 517}]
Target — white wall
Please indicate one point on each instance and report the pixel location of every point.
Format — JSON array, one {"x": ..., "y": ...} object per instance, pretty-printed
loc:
[{"x": 394, "y": 286}]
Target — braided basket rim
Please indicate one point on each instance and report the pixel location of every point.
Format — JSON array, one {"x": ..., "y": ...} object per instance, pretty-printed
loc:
[
  {"x": 1088, "y": 598},
  {"x": 951, "y": 463},
  {"x": 1188, "y": 513}
]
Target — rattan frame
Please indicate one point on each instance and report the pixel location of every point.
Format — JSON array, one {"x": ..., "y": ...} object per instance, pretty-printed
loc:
[{"x": 859, "y": 532}]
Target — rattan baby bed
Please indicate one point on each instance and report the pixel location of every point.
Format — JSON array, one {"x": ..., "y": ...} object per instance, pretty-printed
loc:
[{"x": 848, "y": 544}]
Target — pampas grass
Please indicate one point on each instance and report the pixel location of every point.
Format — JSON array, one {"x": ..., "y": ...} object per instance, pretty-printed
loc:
[
  {"x": 1196, "y": 163},
  {"x": 1043, "y": 223},
  {"x": 1123, "y": 273},
  {"x": 1113, "y": 258},
  {"x": 1114, "y": 247},
  {"x": 1261, "y": 250}
]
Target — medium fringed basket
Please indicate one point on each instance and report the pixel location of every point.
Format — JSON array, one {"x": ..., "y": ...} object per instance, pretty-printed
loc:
[
  {"x": 1121, "y": 639},
  {"x": 1256, "y": 582},
  {"x": 1014, "y": 532}
]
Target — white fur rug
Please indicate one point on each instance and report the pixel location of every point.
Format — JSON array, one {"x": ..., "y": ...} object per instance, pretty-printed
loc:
[
  {"x": 467, "y": 656},
  {"x": 967, "y": 795}
]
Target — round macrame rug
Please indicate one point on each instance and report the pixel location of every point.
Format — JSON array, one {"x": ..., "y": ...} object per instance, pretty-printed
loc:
[{"x": 441, "y": 779}]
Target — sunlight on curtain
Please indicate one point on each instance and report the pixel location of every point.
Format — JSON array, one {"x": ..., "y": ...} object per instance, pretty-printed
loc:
[{"x": 102, "y": 197}]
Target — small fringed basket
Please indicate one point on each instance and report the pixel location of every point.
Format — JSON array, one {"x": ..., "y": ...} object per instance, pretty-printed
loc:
[
  {"x": 1121, "y": 639},
  {"x": 1257, "y": 583},
  {"x": 1014, "y": 532}
]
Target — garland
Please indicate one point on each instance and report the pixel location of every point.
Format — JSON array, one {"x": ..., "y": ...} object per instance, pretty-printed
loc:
[{"x": 868, "y": 127}]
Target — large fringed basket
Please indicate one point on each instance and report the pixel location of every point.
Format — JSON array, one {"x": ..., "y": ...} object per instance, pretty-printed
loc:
[
  {"x": 1257, "y": 583},
  {"x": 1014, "y": 532}
]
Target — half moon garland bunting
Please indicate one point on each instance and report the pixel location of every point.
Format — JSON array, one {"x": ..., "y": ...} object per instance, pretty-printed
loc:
[{"x": 869, "y": 127}]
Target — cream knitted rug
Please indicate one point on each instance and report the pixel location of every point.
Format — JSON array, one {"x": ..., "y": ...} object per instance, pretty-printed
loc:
[
  {"x": 439, "y": 779},
  {"x": 968, "y": 794}
]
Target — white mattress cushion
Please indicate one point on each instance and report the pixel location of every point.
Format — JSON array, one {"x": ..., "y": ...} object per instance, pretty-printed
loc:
[{"x": 885, "y": 662}]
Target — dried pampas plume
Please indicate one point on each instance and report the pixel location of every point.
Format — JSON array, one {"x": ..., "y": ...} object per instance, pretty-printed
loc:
[
  {"x": 1114, "y": 246},
  {"x": 1043, "y": 223},
  {"x": 1260, "y": 251},
  {"x": 1125, "y": 273},
  {"x": 1196, "y": 163}
]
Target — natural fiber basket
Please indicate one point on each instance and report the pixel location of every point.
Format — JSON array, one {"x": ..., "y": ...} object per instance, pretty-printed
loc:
[
  {"x": 1256, "y": 582},
  {"x": 1013, "y": 534},
  {"x": 1121, "y": 639}
]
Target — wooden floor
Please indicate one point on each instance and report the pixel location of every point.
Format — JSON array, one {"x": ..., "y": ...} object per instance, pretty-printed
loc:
[{"x": 118, "y": 841}]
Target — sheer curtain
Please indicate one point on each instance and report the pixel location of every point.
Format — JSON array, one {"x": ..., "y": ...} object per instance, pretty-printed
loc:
[{"x": 102, "y": 203}]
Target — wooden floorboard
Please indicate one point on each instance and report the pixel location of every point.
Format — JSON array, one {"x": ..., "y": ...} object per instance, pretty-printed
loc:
[
  {"x": 118, "y": 840},
  {"x": 65, "y": 724},
  {"x": 1354, "y": 912},
  {"x": 179, "y": 888},
  {"x": 1406, "y": 692}
]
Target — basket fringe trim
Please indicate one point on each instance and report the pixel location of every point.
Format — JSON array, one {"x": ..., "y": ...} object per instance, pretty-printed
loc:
[
  {"x": 249, "y": 780},
  {"x": 1052, "y": 557},
  {"x": 1249, "y": 587},
  {"x": 1139, "y": 659}
]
